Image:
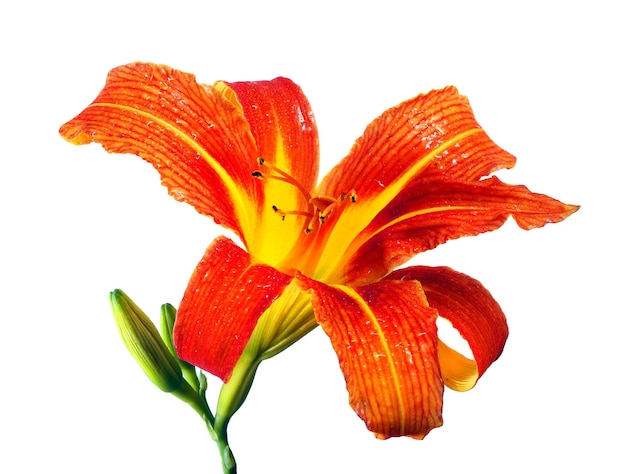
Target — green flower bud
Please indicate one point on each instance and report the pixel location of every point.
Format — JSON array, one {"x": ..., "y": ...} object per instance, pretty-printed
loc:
[
  {"x": 168, "y": 319},
  {"x": 143, "y": 341}
]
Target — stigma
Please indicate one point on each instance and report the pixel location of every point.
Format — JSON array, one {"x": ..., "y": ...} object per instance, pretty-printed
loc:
[{"x": 319, "y": 208}]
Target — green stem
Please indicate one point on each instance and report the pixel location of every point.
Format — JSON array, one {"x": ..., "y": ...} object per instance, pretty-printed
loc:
[
  {"x": 197, "y": 401},
  {"x": 229, "y": 466},
  {"x": 200, "y": 405}
]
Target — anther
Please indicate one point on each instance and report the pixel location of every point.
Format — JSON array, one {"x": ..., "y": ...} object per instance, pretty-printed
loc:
[
  {"x": 279, "y": 212},
  {"x": 282, "y": 213},
  {"x": 323, "y": 214},
  {"x": 309, "y": 225},
  {"x": 352, "y": 196}
]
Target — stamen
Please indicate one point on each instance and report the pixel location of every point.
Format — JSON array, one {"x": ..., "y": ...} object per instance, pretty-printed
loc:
[
  {"x": 279, "y": 212},
  {"x": 282, "y": 213},
  {"x": 319, "y": 207},
  {"x": 283, "y": 176}
]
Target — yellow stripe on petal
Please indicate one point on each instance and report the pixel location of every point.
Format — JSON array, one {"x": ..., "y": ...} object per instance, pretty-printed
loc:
[
  {"x": 198, "y": 141},
  {"x": 385, "y": 338},
  {"x": 355, "y": 219},
  {"x": 428, "y": 214},
  {"x": 378, "y": 201},
  {"x": 431, "y": 136},
  {"x": 382, "y": 351},
  {"x": 283, "y": 126},
  {"x": 240, "y": 202}
]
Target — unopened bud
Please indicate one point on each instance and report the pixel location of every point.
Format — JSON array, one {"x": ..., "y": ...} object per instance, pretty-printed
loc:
[
  {"x": 168, "y": 319},
  {"x": 143, "y": 341}
]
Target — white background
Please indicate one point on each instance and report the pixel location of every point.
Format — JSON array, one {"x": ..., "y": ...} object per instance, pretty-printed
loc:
[{"x": 545, "y": 80}]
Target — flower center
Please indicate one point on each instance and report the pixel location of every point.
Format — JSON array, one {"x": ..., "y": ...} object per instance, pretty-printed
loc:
[{"x": 319, "y": 208}]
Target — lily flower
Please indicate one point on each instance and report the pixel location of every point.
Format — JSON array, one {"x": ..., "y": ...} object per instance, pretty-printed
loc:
[{"x": 246, "y": 154}]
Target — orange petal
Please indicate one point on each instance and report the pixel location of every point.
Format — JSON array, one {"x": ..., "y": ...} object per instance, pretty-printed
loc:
[
  {"x": 433, "y": 134},
  {"x": 385, "y": 337},
  {"x": 472, "y": 310},
  {"x": 428, "y": 214},
  {"x": 283, "y": 126},
  {"x": 197, "y": 139},
  {"x": 426, "y": 138},
  {"x": 227, "y": 294},
  {"x": 285, "y": 132}
]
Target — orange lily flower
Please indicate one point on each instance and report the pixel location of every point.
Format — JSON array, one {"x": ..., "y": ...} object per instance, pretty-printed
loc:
[{"x": 246, "y": 154}]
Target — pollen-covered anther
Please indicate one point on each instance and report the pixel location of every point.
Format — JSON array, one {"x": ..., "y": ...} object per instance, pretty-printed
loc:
[
  {"x": 279, "y": 212},
  {"x": 324, "y": 214}
]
